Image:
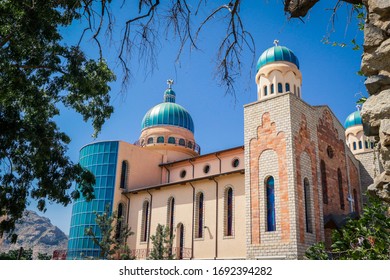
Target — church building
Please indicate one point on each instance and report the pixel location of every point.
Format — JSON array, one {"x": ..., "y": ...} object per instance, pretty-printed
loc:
[{"x": 297, "y": 176}]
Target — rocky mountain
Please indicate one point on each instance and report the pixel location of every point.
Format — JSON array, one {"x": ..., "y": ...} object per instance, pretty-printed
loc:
[{"x": 37, "y": 233}]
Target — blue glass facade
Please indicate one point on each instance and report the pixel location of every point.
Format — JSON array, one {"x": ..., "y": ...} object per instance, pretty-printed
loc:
[{"x": 101, "y": 159}]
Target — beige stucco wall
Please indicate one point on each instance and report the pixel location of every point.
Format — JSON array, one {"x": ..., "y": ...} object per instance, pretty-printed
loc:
[
  {"x": 213, "y": 244},
  {"x": 354, "y": 134},
  {"x": 278, "y": 72}
]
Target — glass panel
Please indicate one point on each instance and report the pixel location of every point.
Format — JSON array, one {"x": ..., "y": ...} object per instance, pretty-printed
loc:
[{"x": 271, "y": 221}]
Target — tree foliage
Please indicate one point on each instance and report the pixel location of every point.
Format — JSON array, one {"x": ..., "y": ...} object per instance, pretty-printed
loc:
[
  {"x": 111, "y": 243},
  {"x": 39, "y": 74},
  {"x": 367, "y": 238},
  {"x": 162, "y": 244},
  {"x": 20, "y": 254}
]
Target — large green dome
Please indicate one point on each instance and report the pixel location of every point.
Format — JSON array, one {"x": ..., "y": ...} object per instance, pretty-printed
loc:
[
  {"x": 277, "y": 53},
  {"x": 168, "y": 113},
  {"x": 353, "y": 119}
]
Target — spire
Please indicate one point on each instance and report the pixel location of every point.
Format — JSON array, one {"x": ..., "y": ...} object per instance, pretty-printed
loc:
[{"x": 169, "y": 94}]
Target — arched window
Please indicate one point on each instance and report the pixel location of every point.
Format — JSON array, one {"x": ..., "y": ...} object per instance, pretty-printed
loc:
[
  {"x": 271, "y": 220},
  {"x": 354, "y": 146},
  {"x": 356, "y": 200},
  {"x": 360, "y": 145},
  {"x": 341, "y": 192},
  {"x": 180, "y": 241},
  {"x": 265, "y": 90},
  {"x": 229, "y": 212},
  {"x": 150, "y": 140},
  {"x": 366, "y": 144},
  {"x": 307, "y": 197},
  {"x": 189, "y": 144},
  {"x": 171, "y": 212},
  {"x": 160, "y": 139},
  {"x": 324, "y": 182},
  {"x": 280, "y": 88},
  {"x": 182, "y": 142},
  {"x": 171, "y": 140},
  {"x": 372, "y": 145},
  {"x": 124, "y": 171},
  {"x": 145, "y": 221},
  {"x": 120, "y": 220},
  {"x": 199, "y": 219},
  {"x": 272, "y": 88},
  {"x": 287, "y": 87}
]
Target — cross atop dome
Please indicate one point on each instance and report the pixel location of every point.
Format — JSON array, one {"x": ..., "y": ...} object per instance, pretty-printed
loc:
[
  {"x": 276, "y": 42},
  {"x": 170, "y": 82}
]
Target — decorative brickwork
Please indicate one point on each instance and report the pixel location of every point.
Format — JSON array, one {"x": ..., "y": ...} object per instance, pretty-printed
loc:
[
  {"x": 305, "y": 146},
  {"x": 268, "y": 139},
  {"x": 328, "y": 136}
]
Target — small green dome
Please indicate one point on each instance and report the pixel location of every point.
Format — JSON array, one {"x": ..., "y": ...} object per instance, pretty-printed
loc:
[
  {"x": 353, "y": 119},
  {"x": 168, "y": 113},
  {"x": 276, "y": 53}
]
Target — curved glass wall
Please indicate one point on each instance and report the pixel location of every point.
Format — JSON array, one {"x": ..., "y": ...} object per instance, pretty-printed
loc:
[{"x": 100, "y": 158}]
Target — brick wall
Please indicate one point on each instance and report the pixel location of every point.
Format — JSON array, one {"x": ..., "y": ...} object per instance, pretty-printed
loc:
[
  {"x": 268, "y": 152},
  {"x": 306, "y": 165},
  {"x": 328, "y": 138}
]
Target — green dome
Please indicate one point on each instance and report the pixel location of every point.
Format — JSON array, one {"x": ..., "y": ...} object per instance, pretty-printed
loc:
[
  {"x": 276, "y": 53},
  {"x": 168, "y": 113},
  {"x": 353, "y": 119}
]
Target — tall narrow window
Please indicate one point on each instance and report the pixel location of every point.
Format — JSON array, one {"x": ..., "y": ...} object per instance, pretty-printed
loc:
[
  {"x": 307, "y": 197},
  {"x": 199, "y": 216},
  {"x": 299, "y": 92},
  {"x": 272, "y": 88},
  {"x": 123, "y": 175},
  {"x": 171, "y": 212},
  {"x": 356, "y": 200},
  {"x": 341, "y": 192},
  {"x": 145, "y": 221},
  {"x": 360, "y": 145},
  {"x": 366, "y": 144},
  {"x": 265, "y": 90},
  {"x": 120, "y": 220},
  {"x": 229, "y": 212},
  {"x": 324, "y": 182},
  {"x": 354, "y": 146},
  {"x": 287, "y": 87},
  {"x": 271, "y": 221},
  {"x": 280, "y": 88}
]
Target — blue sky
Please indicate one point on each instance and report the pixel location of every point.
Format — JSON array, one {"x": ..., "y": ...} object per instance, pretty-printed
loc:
[{"x": 329, "y": 78}]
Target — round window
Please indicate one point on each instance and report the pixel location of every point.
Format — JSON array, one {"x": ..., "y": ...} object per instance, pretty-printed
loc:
[
  {"x": 183, "y": 173},
  {"x": 206, "y": 169},
  {"x": 235, "y": 162}
]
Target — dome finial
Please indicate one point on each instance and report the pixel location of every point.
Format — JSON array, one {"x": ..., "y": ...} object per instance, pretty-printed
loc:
[
  {"x": 358, "y": 107},
  {"x": 170, "y": 83},
  {"x": 276, "y": 42}
]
